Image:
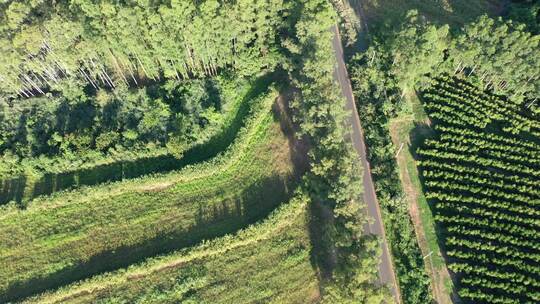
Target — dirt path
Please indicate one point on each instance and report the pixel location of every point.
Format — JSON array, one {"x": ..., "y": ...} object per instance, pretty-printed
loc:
[{"x": 437, "y": 275}]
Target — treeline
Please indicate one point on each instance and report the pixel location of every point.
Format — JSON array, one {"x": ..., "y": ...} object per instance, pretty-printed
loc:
[
  {"x": 61, "y": 125},
  {"x": 403, "y": 57},
  {"x": 50, "y": 46},
  {"x": 55, "y": 134},
  {"x": 334, "y": 181}
]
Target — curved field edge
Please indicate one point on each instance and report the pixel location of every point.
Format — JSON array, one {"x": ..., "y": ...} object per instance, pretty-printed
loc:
[
  {"x": 286, "y": 224},
  {"x": 29, "y": 185},
  {"x": 127, "y": 222}
]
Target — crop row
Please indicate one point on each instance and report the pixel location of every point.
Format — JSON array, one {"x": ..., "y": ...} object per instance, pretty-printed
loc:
[{"x": 481, "y": 172}]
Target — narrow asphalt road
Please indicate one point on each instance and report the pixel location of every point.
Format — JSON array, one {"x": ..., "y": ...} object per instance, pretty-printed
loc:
[{"x": 386, "y": 269}]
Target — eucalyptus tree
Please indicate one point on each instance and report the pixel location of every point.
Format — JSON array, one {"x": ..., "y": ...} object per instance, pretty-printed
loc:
[{"x": 504, "y": 56}]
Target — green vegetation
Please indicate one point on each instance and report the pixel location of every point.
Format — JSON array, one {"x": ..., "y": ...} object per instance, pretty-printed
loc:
[
  {"x": 73, "y": 235},
  {"x": 348, "y": 259},
  {"x": 486, "y": 198},
  {"x": 45, "y": 175},
  {"x": 63, "y": 47},
  {"x": 452, "y": 12},
  {"x": 166, "y": 81},
  {"x": 267, "y": 262},
  {"x": 101, "y": 91},
  {"x": 410, "y": 130},
  {"x": 495, "y": 55},
  {"x": 413, "y": 281}
]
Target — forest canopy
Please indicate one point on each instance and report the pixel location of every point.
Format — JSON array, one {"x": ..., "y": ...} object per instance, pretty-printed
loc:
[
  {"x": 49, "y": 45},
  {"x": 79, "y": 78}
]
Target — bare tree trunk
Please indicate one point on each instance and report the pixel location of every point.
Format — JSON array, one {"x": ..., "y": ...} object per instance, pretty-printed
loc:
[
  {"x": 96, "y": 71},
  {"x": 459, "y": 66},
  {"x": 118, "y": 67},
  {"x": 474, "y": 67},
  {"x": 33, "y": 84},
  {"x": 88, "y": 78},
  {"x": 142, "y": 66},
  {"x": 129, "y": 65},
  {"x": 107, "y": 76}
]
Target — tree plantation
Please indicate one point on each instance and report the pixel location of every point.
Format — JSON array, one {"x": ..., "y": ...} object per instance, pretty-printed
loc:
[
  {"x": 452, "y": 122},
  {"x": 486, "y": 198},
  {"x": 217, "y": 151}
]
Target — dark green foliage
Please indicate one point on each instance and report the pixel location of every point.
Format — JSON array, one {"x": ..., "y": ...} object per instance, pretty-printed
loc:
[
  {"x": 120, "y": 119},
  {"x": 46, "y": 44},
  {"x": 375, "y": 111},
  {"x": 526, "y": 12},
  {"x": 481, "y": 173},
  {"x": 334, "y": 180}
]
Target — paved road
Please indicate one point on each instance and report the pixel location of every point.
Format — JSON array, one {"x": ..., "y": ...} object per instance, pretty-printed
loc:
[{"x": 386, "y": 269}]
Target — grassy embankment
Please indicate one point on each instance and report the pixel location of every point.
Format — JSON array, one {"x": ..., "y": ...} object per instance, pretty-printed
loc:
[
  {"x": 410, "y": 130},
  {"x": 268, "y": 262},
  {"x": 73, "y": 235},
  {"x": 51, "y": 176}
]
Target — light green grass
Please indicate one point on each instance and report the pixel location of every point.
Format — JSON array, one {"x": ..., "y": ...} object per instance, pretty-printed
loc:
[
  {"x": 411, "y": 129},
  {"x": 74, "y": 235},
  {"x": 266, "y": 263}
]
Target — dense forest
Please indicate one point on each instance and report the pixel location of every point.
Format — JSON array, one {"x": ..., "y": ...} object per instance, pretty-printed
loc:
[
  {"x": 478, "y": 84},
  {"x": 240, "y": 93},
  {"x": 51, "y": 46},
  {"x": 119, "y": 75}
]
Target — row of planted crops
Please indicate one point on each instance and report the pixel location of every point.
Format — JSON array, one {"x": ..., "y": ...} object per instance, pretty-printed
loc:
[{"x": 481, "y": 171}]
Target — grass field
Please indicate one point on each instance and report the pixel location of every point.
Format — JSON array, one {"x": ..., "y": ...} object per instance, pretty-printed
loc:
[
  {"x": 266, "y": 263},
  {"x": 74, "y": 235}
]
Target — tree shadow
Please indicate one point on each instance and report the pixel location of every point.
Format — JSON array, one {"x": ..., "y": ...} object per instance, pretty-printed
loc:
[
  {"x": 417, "y": 137},
  {"x": 320, "y": 218},
  {"x": 12, "y": 189},
  {"x": 53, "y": 182},
  {"x": 456, "y": 13},
  {"x": 214, "y": 220}
]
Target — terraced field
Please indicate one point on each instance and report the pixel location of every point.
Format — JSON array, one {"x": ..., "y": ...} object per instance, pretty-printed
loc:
[
  {"x": 74, "y": 235},
  {"x": 268, "y": 262}
]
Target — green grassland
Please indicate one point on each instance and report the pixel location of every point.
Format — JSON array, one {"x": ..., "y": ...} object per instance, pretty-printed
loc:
[
  {"x": 410, "y": 130},
  {"x": 266, "y": 263},
  {"x": 73, "y": 235}
]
